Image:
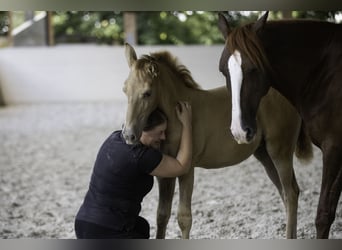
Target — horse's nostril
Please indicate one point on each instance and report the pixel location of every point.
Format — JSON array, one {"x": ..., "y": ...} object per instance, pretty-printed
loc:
[
  {"x": 249, "y": 133},
  {"x": 133, "y": 137}
]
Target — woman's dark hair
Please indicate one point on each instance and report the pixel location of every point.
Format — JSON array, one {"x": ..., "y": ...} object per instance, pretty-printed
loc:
[{"x": 156, "y": 118}]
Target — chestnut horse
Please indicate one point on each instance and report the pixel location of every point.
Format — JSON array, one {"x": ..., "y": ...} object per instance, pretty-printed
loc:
[
  {"x": 302, "y": 59},
  {"x": 158, "y": 80}
]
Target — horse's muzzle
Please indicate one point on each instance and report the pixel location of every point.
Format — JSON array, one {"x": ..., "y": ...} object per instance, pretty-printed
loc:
[
  {"x": 129, "y": 136},
  {"x": 243, "y": 135},
  {"x": 250, "y": 134}
]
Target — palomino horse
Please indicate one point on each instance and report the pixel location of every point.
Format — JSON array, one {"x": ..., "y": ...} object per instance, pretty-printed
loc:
[
  {"x": 160, "y": 81},
  {"x": 303, "y": 61}
]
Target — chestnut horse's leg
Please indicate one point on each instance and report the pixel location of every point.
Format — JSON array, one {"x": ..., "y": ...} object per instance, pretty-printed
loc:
[
  {"x": 330, "y": 190},
  {"x": 277, "y": 161},
  {"x": 283, "y": 162},
  {"x": 166, "y": 191},
  {"x": 280, "y": 171},
  {"x": 262, "y": 155},
  {"x": 184, "y": 216}
]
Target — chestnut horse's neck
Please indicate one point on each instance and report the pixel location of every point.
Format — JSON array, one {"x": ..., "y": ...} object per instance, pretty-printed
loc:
[
  {"x": 299, "y": 52},
  {"x": 171, "y": 89}
]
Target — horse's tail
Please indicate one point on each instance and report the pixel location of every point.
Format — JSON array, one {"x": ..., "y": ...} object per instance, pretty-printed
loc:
[{"x": 304, "y": 150}]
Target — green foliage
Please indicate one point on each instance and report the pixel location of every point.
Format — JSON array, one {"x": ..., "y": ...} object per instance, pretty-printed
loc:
[
  {"x": 4, "y": 23},
  {"x": 320, "y": 15},
  {"x": 152, "y": 27},
  {"x": 178, "y": 28},
  {"x": 98, "y": 27},
  {"x": 155, "y": 27}
]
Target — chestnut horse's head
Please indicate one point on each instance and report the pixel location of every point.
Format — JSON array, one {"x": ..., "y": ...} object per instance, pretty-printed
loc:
[
  {"x": 141, "y": 94},
  {"x": 245, "y": 67}
]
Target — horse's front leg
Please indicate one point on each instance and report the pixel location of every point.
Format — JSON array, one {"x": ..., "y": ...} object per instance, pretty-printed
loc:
[
  {"x": 184, "y": 216},
  {"x": 166, "y": 191},
  {"x": 290, "y": 190},
  {"x": 331, "y": 187}
]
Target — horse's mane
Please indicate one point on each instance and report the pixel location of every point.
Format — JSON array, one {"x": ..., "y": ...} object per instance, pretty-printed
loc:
[
  {"x": 247, "y": 42},
  {"x": 167, "y": 59}
]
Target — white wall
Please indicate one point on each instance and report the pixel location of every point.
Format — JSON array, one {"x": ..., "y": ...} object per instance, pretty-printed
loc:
[{"x": 73, "y": 73}]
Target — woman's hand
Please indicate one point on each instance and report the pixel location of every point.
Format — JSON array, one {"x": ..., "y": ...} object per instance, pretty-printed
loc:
[{"x": 184, "y": 113}]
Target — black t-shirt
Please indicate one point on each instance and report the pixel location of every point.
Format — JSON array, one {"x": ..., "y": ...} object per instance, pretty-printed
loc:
[{"x": 120, "y": 180}]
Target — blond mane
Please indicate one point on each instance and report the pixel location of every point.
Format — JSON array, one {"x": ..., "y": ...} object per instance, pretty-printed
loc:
[{"x": 170, "y": 61}]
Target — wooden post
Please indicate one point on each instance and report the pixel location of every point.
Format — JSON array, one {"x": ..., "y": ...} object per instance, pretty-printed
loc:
[
  {"x": 2, "y": 99},
  {"x": 130, "y": 27},
  {"x": 10, "y": 28},
  {"x": 50, "y": 41}
]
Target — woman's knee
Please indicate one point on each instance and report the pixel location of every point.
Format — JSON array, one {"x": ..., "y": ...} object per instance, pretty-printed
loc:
[{"x": 143, "y": 227}]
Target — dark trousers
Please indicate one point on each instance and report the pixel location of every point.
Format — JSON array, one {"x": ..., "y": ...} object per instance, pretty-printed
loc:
[{"x": 88, "y": 230}]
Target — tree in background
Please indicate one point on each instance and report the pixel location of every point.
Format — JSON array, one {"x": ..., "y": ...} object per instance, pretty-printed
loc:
[
  {"x": 321, "y": 15},
  {"x": 4, "y": 23},
  {"x": 178, "y": 27},
  {"x": 5, "y": 30},
  {"x": 153, "y": 27},
  {"x": 104, "y": 27}
]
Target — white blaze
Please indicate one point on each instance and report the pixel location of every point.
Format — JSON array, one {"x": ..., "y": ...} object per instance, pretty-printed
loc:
[{"x": 236, "y": 76}]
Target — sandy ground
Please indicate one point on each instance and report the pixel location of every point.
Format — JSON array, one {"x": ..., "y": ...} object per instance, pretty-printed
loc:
[{"x": 47, "y": 154}]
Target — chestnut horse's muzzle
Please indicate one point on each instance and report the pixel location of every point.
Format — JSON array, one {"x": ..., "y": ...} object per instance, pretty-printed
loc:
[{"x": 130, "y": 136}]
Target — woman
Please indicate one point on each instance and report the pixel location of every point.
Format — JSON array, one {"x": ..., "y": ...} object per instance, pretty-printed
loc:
[{"x": 123, "y": 175}]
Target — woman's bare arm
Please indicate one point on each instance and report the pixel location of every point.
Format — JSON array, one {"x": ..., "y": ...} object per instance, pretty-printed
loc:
[{"x": 170, "y": 166}]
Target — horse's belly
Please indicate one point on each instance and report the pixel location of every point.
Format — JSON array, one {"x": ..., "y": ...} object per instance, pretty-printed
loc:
[{"x": 218, "y": 155}]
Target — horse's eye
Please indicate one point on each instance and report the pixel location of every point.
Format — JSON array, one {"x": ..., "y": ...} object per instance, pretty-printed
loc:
[{"x": 147, "y": 94}]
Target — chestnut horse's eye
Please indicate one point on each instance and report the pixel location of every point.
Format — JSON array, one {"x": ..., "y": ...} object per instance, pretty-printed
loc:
[{"x": 147, "y": 94}]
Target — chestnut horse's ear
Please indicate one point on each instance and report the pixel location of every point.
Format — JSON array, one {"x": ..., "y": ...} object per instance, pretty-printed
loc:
[
  {"x": 259, "y": 24},
  {"x": 223, "y": 25},
  {"x": 131, "y": 56}
]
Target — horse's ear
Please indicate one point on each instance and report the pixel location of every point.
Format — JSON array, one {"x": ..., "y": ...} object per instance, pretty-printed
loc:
[
  {"x": 223, "y": 25},
  {"x": 259, "y": 24},
  {"x": 131, "y": 56}
]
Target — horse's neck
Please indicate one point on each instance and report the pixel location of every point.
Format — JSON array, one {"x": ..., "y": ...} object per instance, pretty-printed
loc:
[
  {"x": 292, "y": 49},
  {"x": 304, "y": 49},
  {"x": 171, "y": 92},
  {"x": 170, "y": 97}
]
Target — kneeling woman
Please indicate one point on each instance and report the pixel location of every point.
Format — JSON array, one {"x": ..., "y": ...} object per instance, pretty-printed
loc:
[{"x": 123, "y": 175}]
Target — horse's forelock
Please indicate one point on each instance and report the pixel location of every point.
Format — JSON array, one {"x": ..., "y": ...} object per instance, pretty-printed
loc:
[
  {"x": 247, "y": 42},
  {"x": 146, "y": 67}
]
